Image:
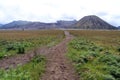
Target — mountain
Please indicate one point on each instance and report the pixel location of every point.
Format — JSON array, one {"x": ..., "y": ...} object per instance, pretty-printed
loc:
[
  {"x": 87, "y": 22},
  {"x": 14, "y": 24},
  {"x": 93, "y": 22},
  {"x": 37, "y": 25},
  {"x": 1, "y": 25},
  {"x": 65, "y": 24},
  {"x": 118, "y": 27}
]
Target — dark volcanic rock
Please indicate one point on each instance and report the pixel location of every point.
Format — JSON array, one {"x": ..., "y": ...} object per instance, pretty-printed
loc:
[{"x": 93, "y": 22}]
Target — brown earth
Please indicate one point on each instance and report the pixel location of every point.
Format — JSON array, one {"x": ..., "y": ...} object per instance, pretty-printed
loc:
[
  {"x": 58, "y": 66},
  {"x": 21, "y": 59}
]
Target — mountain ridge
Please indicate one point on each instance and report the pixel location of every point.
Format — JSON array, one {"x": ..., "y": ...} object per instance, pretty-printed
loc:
[
  {"x": 87, "y": 22},
  {"x": 37, "y": 25}
]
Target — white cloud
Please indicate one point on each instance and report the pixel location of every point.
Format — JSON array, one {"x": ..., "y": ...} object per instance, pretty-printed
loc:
[{"x": 52, "y": 10}]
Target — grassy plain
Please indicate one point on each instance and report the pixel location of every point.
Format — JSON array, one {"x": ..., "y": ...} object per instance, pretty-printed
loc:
[
  {"x": 12, "y": 42},
  {"x": 95, "y": 54},
  {"x": 19, "y": 42}
]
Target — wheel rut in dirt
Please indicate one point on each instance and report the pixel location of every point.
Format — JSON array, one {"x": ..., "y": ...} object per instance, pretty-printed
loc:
[{"x": 58, "y": 66}]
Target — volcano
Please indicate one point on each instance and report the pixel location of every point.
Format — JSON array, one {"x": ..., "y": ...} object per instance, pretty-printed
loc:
[{"x": 93, "y": 22}]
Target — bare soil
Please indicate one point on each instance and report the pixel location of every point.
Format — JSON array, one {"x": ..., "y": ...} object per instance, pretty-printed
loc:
[
  {"x": 58, "y": 66},
  {"x": 21, "y": 59}
]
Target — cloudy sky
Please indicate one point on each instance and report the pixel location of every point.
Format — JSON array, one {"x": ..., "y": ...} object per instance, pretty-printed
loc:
[{"x": 53, "y": 10}]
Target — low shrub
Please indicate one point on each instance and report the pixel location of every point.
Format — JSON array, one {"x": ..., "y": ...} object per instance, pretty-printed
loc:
[
  {"x": 21, "y": 50},
  {"x": 30, "y": 71},
  {"x": 93, "y": 62}
]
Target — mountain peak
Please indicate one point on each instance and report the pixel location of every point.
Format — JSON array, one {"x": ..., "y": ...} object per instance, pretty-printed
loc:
[
  {"x": 93, "y": 22},
  {"x": 91, "y": 16}
]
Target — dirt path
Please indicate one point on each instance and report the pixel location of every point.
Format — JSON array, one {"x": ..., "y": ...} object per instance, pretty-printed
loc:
[
  {"x": 58, "y": 66},
  {"x": 20, "y": 59}
]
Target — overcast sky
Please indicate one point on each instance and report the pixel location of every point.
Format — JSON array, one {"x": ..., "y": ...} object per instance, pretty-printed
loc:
[{"x": 53, "y": 10}]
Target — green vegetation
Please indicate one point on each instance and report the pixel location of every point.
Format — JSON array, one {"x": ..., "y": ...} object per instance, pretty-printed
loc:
[
  {"x": 19, "y": 42},
  {"x": 30, "y": 71},
  {"x": 95, "y": 58}
]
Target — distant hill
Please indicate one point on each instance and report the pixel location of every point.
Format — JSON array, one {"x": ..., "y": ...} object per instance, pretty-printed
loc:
[
  {"x": 14, "y": 24},
  {"x": 65, "y": 24},
  {"x": 1, "y": 25},
  {"x": 118, "y": 27},
  {"x": 37, "y": 25},
  {"x": 93, "y": 22}
]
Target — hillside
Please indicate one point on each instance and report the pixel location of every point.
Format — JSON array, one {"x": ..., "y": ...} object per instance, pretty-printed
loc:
[
  {"x": 14, "y": 24},
  {"x": 93, "y": 22},
  {"x": 65, "y": 24},
  {"x": 118, "y": 27},
  {"x": 1, "y": 25},
  {"x": 37, "y": 25}
]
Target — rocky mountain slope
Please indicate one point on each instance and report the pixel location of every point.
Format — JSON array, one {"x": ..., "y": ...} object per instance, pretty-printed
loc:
[{"x": 93, "y": 22}]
